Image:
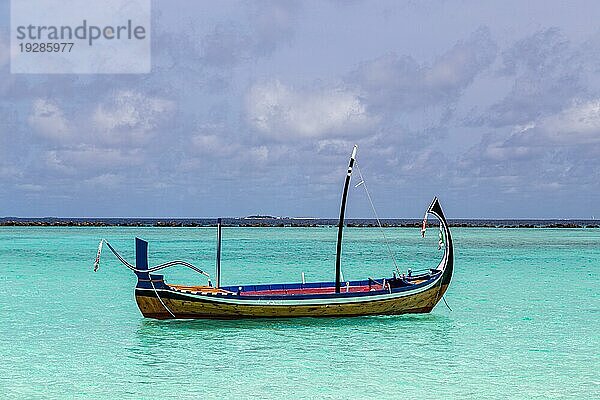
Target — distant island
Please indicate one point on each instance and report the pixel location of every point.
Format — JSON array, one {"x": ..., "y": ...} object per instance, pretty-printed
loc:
[
  {"x": 271, "y": 221},
  {"x": 261, "y": 217}
]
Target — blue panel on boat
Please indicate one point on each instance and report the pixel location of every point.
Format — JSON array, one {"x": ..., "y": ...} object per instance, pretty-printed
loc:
[
  {"x": 141, "y": 254},
  {"x": 141, "y": 259}
]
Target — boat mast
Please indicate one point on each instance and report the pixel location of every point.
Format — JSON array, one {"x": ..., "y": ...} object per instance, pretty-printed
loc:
[
  {"x": 218, "y": 274},
  {"x": 338, "y": 255}
]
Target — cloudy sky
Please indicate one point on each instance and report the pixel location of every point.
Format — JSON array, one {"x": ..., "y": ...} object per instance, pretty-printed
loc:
[{"x": 254, "y": 108}]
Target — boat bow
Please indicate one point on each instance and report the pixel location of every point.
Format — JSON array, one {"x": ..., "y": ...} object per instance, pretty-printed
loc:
[{"x": 446, "y": 266}]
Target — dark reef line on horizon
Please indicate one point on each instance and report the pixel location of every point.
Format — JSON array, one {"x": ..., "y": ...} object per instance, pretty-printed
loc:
[{"x": 291, "y": 222}]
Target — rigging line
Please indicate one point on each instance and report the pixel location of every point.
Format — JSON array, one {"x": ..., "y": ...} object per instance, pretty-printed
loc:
[
  {"x": 364, "y": 184},
  {"x": 123, "y": 261},
  {"x": 161, "y": 301},
  {"x": 157, "y": 267}
]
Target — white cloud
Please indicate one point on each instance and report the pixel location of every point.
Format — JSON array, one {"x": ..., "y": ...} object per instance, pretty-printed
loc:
[
  {"x": 105, "y": 180},
  {"x": 92, "y": 158},
  {"x": 211, "y": 144},
  {"x": 571, "y": 128},
  {"x": 130, "y": 115},
  {"x": 577, "y": 124},
  {"x": 501, "y": 151},
  {"x": 8, "y": 171},
  {"x": 55, "y": 162},
  {"x": 219, "y": 146},
  {"x": 281, "y": 112},
  {"x": 334, "y": 145},
  {"x": 48, "y": 120},
  {"x": 126, "y": 117},
  {"x": 259, "y": 153},
  {"x": 30, "y": 187}
]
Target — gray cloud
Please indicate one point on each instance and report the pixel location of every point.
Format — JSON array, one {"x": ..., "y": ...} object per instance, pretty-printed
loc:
[
  {"x": 554, "y": 156},
  {"x": 548, "y": 72},
  {"x": 543, "y": 136},
  {"x": 226, "y": 46},
  {"x": 274, "y": 24},
  {"x": 400, "y": 83},
  {"x": 270, "y": 24}
]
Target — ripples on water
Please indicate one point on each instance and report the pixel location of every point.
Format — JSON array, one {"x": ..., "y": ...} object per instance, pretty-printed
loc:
[{"x": 525, "y": 320}]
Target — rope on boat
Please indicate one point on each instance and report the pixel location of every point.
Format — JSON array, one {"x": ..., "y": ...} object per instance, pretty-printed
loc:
[
  {"x": 374, "y": 281},
  {"x": 362, "y": 182},
  {"x": 161, "y": 300}
]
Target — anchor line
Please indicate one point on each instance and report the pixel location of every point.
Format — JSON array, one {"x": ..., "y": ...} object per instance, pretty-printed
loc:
[{"x": 446, "y": 303}]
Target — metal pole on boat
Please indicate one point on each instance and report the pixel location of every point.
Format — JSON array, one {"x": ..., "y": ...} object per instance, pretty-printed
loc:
[
  {"x": 218, "y": 252},
  {"x": 338, "y": 255}
]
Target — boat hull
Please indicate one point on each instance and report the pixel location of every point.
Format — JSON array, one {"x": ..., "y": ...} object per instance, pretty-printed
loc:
[{"x": 165, "y": 304}]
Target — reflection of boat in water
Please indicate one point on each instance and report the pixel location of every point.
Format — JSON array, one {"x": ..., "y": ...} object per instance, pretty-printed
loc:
[{"x": 418, "y": 293}]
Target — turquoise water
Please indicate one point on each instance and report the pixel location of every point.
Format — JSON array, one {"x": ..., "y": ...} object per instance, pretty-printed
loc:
[{"x": 525, "y": 320}]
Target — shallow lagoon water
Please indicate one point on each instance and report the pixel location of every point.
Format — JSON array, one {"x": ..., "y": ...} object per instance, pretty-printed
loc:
[{"x": 525, "y": 320}]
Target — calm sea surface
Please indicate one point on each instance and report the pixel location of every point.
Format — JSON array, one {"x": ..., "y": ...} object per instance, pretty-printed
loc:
[{"x": 525, "y": 320}]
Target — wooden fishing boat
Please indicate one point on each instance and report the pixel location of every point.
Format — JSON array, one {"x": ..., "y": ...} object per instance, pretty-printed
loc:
[{"x": 398, "y": 294}]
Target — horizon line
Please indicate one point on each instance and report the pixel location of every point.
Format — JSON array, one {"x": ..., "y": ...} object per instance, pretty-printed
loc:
[{"x": 268, "y": 217}]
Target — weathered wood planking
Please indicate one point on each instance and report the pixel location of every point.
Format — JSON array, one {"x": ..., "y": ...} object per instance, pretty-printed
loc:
[{"x": 207, "y": 308}]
